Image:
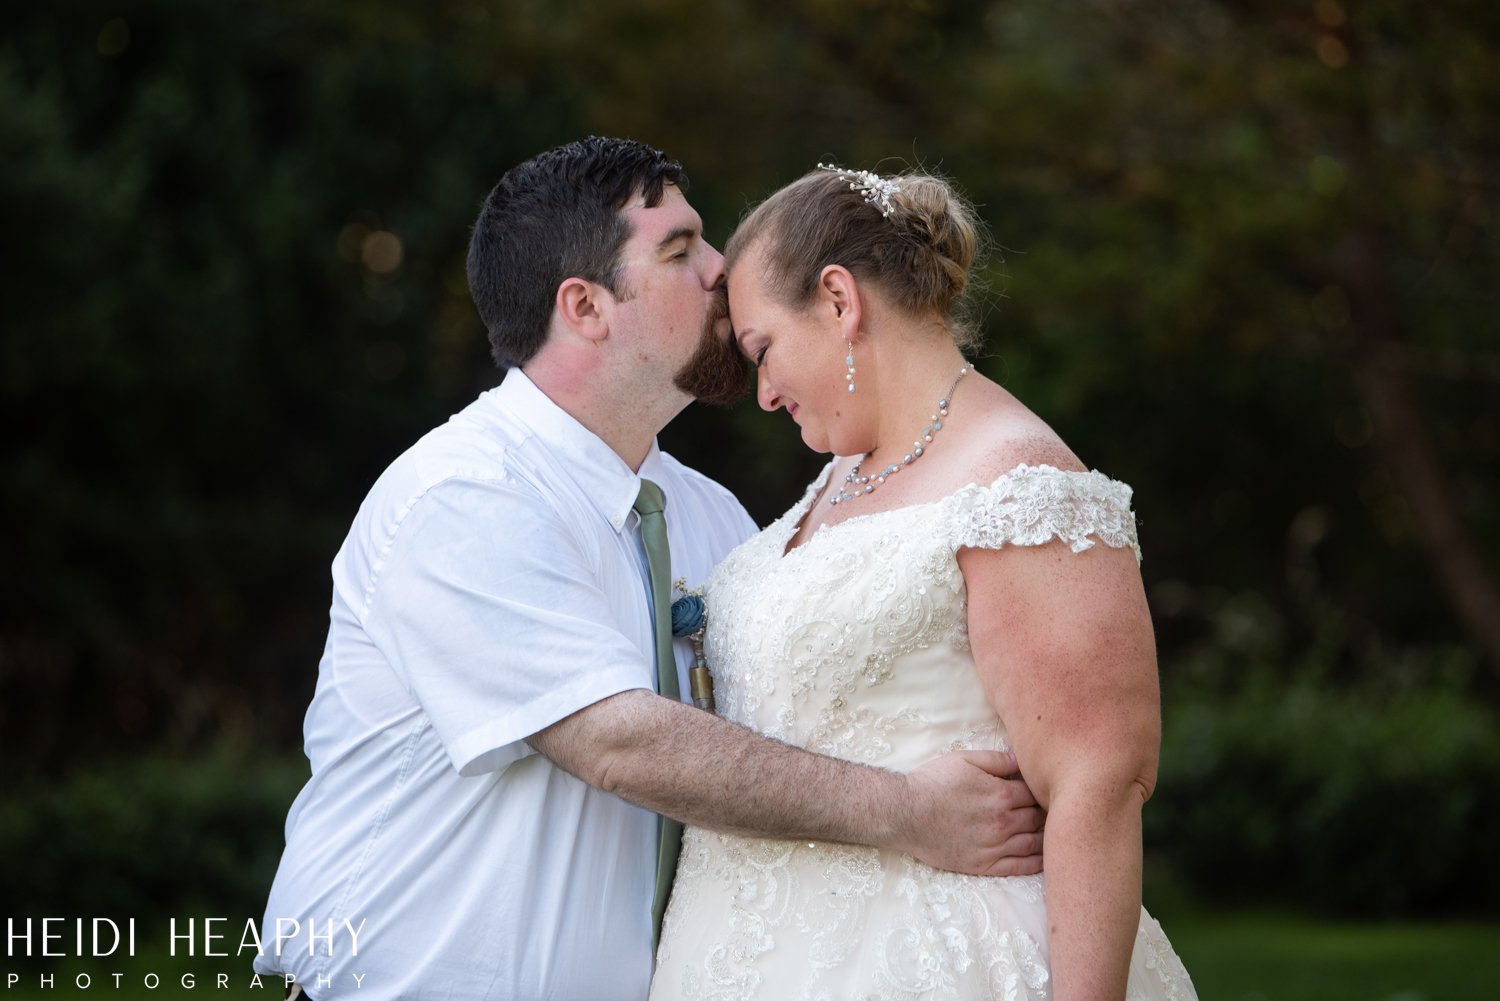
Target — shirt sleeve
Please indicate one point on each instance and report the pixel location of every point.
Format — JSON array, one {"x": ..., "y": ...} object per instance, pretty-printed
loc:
[
  {"x": 1033, "y": 505},
  {"x": 491, "y": 612}
]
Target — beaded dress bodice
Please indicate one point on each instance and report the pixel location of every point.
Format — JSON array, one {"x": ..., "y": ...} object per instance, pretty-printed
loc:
[{"x": 855, "y": 645}]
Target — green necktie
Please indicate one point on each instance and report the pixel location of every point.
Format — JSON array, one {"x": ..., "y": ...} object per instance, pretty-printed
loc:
[{"x": 649, "y": 505}]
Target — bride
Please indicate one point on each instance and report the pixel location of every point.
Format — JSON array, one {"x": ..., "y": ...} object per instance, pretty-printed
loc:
[{"x": 954, "y": 579}]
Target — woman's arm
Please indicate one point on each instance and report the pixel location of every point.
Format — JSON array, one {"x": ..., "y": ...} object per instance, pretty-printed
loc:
[{"x": 1064, "y": 647}]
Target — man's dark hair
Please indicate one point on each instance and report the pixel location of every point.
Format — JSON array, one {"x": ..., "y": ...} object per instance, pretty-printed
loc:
[{"x": 553, "y": 217}]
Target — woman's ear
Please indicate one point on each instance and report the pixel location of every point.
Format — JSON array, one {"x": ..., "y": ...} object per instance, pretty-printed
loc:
[
  {"x": 584, "y": 308},
  {"x": 839, "y": 299}
]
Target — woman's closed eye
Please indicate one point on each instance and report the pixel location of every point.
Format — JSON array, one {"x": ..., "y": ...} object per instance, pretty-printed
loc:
[{"x": 756, "y": 353}]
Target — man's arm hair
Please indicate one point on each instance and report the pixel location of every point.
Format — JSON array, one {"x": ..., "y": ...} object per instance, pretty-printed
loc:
[{"x": 953, "y": 812}]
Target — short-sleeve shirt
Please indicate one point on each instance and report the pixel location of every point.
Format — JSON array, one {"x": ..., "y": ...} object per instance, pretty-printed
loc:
[{"x": 491, "y": 584}]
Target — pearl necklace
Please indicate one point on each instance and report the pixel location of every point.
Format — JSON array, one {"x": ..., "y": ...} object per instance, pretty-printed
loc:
[{"x": 866, "y": 484}]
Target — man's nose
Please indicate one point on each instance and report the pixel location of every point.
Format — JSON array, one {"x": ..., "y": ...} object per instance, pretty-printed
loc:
[{"x": 714, "y": 274}]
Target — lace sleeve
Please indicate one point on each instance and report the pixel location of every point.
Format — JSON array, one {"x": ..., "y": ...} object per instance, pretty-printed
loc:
[{"x": 1032, "y": 505}]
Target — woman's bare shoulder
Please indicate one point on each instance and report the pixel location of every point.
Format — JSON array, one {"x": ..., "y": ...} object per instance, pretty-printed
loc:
[{"x": 1004, "y": 433}]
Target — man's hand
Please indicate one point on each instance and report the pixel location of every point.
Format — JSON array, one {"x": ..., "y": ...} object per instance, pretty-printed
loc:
[{"x": 971, "y": 812}]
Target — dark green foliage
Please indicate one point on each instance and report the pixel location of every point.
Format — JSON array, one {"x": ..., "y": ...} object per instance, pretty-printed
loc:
[
  {"x": 211, "y": 349},
  {"x": 234, "y": 290},
  {"x": 1374, "y": 799},
  {"x": 149, "y": 838}
]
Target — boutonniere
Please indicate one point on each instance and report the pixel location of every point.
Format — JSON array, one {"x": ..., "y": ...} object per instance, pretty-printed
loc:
[{"x": 690, "y": 618}]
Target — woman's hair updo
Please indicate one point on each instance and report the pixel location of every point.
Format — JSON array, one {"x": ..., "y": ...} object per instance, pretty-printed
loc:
[{"x": 911, "y": 235}]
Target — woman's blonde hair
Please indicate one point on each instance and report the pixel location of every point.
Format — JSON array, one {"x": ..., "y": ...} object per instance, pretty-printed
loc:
[{"x": 921, "y": 255}]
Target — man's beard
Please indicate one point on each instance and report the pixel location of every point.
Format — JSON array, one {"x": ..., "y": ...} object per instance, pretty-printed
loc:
[{"x": 717, "y": 373}]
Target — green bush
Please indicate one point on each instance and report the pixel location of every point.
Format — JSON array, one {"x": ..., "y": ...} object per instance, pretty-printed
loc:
[
  {"x": 147, "y": 837},
  {"x": 1376, "y": 797},
  {"x": 1381, "y": 797}
]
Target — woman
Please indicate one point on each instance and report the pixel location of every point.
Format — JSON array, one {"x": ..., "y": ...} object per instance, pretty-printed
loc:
[{"x": 939, "y": 587}]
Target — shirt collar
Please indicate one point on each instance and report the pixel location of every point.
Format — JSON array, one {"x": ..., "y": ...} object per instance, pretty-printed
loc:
[{"x": 606, "y": 480}]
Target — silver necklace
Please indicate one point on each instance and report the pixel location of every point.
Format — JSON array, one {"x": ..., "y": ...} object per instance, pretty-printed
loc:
[{"x": 862, "y": 485}]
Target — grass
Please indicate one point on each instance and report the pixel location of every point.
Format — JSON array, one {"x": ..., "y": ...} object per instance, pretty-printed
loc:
[{"x": 1277, "y": 956}]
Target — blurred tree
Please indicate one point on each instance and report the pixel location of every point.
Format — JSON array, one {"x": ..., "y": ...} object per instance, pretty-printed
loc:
[
  {"x": 1253, "y": 274},
  {"x": 237, "y": 290},
  {"x": 1255, "y": 267}
]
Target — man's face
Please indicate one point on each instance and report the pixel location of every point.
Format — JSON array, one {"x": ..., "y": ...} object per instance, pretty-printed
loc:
[{"x": 672, "y": 300}]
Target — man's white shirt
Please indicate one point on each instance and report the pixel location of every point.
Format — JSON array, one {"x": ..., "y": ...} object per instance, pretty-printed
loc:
[{"x": 491, "y": 585}]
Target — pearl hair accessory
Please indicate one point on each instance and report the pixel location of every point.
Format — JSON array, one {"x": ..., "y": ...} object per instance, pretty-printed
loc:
[
  {"x": 874, "y": 189},
  {"x": 849, "y": 360},
  {"x": 866, "y": 484}
]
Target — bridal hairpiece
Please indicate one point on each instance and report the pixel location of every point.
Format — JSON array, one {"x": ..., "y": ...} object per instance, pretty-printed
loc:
[{"x": 874, "y": 189}]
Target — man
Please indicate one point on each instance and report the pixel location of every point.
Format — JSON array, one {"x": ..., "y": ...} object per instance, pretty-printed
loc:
[{"x": 486, "y": 743}]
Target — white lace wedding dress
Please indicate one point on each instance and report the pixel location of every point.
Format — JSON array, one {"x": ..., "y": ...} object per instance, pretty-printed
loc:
[{"x": 855, "y": 645}]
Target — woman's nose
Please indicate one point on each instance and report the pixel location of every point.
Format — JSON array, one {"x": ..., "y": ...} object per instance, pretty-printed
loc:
[{"x": 767, "y": 397}]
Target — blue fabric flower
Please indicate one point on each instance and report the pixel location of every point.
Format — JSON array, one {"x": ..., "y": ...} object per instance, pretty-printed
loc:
[{"x": 688, "y": 615}]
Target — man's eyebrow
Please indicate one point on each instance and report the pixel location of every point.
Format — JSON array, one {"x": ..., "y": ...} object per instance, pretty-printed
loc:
[{"x": 681, "y": 232}]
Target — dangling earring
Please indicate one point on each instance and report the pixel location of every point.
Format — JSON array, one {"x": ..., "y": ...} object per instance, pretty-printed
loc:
[{"x": 849, "y": 360}]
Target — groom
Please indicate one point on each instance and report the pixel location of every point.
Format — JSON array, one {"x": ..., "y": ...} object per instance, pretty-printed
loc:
[{"x": 488, "y": 751}]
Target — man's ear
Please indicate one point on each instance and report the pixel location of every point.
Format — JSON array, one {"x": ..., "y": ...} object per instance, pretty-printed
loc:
[
  {"x": 584, "y": 308},
  {"x": 839, "y": 301}
]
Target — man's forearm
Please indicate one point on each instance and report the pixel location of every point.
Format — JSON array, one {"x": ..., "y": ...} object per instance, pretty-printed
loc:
[
  {"x": 958, "y": 811},
  {"x": 706, "y": 771}
]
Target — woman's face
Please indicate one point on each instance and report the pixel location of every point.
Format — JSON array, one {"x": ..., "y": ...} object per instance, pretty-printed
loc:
[{"x": 798, "y": 354}]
